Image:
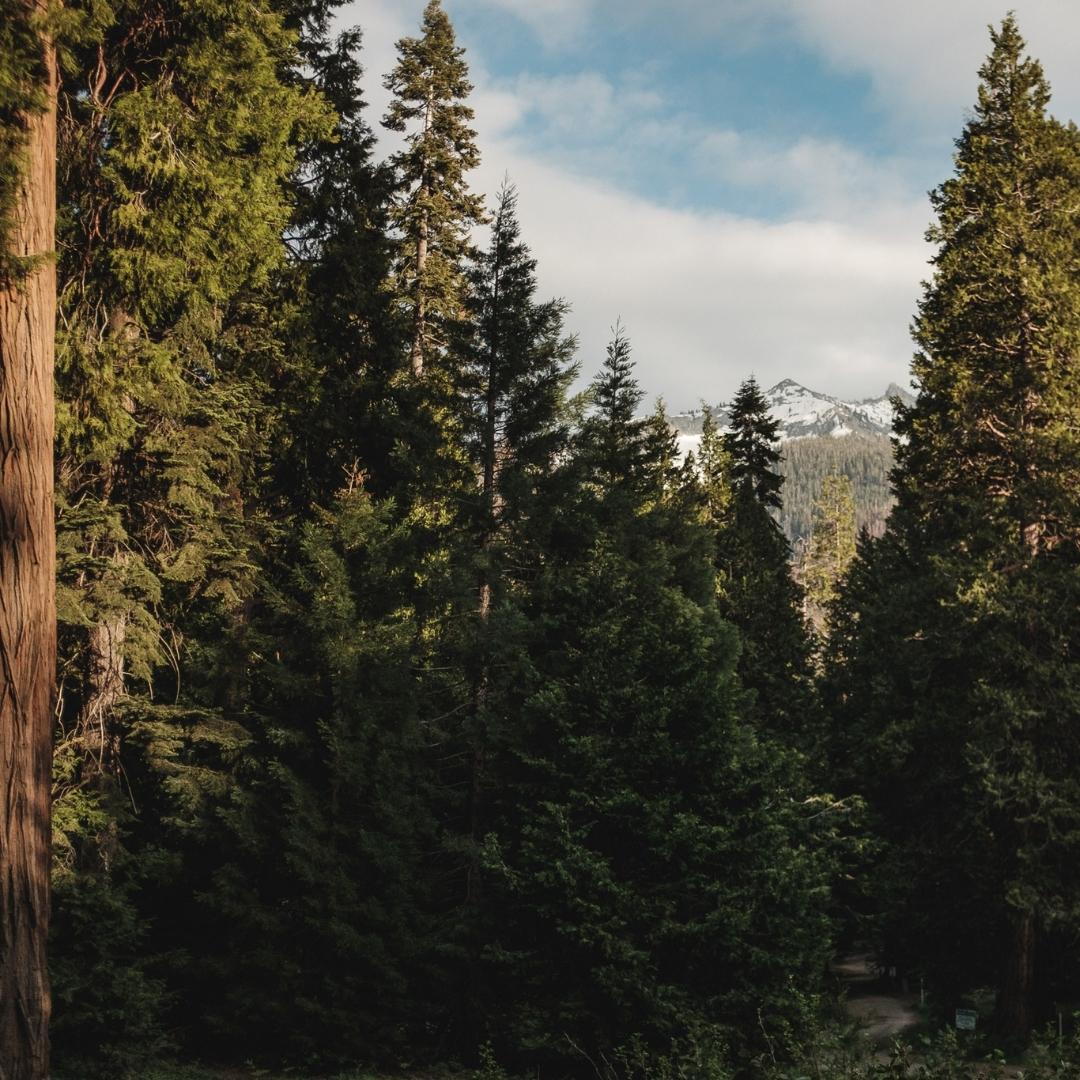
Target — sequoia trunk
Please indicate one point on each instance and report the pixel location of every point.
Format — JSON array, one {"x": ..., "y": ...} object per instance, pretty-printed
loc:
[
  {"x": 1013, "y": 1015},
  {"x": 27, "y": 596}
]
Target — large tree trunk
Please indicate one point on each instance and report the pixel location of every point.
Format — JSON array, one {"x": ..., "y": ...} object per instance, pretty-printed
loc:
[
  {"x": 27, "y": 601},
  {"x": 104, "y": 688},
  {"x": 1013, "y": 1013}
]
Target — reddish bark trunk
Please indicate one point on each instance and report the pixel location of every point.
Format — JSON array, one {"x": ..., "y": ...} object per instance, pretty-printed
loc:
[
  {"x": 1013, "y": 1014},
  {"x": 27, "y": 602}
]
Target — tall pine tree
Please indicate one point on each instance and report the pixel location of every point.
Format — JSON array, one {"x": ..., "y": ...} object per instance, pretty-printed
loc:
[
  {"x": 757, "y": 591},
  {"x": 435, "y": 208},
  {"x": 979, "y": 649}
]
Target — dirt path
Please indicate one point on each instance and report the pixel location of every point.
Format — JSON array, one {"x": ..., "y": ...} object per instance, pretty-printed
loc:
[
  {"x": 883, "y": 1010},
  {"x": 878, "y": 1003}
]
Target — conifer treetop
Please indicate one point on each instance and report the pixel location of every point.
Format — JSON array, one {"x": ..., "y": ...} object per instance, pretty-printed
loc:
[
  {"x": 617, "y": 394},
  {"x": 434, "y": 209},
  {"x": 751, "y": 442},
  {"x": 999, "y": 324}
]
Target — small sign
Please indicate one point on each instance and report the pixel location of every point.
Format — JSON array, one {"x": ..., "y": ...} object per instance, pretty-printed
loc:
[{"x": 965, "y": 1019}]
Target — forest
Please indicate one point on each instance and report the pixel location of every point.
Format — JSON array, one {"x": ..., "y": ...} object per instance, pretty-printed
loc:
[
  {"x": 866, "y": 461},
  {"x": 375, "y": 702}
]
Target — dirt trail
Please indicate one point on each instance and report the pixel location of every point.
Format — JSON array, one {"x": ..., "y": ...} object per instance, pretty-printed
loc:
[
  {"x": 877, "y": 1002},
  {"x": 882, "y": 1008}
]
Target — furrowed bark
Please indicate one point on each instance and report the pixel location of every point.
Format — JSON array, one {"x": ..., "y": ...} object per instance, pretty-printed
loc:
[{"x": 27, "y": 597}]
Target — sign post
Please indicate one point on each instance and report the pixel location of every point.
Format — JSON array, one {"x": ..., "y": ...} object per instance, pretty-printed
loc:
[{"x": 965, "y": 1019}]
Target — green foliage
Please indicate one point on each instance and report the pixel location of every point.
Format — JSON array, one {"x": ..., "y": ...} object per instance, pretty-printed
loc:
[
  {"x": 831, "y": 548},
  {"x": 318, "y": 900},
  {"x": 634, "y": 780},
  {"x": 956, "y": 665},
  {"x": 751, "y": 441},
  {"x": 177, "y": 152},
  {"x": 21, "y": 75},
  {"x": 866, "y": 461},
  {"x": 108, "y": 1002},
  {"x": 401, "y": 713},
  {"x": 434, "y": 209},
  {"x": 757, "y": 592},
  {"x": 518, "y": 368}
]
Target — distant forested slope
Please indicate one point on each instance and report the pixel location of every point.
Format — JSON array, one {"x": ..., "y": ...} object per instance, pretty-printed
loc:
[{"x": 865, "y": 460}]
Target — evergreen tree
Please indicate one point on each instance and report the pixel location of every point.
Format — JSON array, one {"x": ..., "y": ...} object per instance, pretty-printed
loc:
[
  {"x": 831, "y": 548},
  {"x": 752, "y": 443},
  {"x": 714, "y": 466},
  {"x": 179, "y": 128},
  {"x": 515, "y": 378},
  {"x": 432, "y": 212},
  {"x": 757, "y": 591},
  {"x": 316, "y": 921},
  {"x": 164, "y": 238},
  {"x": 627, "y": 772},
  {"x": 980, "y": 660},
  {"x": 435, "y": 209},
  {"x": 336, "y": 341},
  {"x": 517, "y": 365}
]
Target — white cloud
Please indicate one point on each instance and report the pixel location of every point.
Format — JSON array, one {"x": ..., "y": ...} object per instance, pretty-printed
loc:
[
  {"x": 709, "y": 298},
  {"x": 922, "y": 56},
  {"x": 824, "y": 297},
  {"x": 555, "y": 22},
  {"x": 582, "y": 104},
  {"x": 824, "y": 178}
]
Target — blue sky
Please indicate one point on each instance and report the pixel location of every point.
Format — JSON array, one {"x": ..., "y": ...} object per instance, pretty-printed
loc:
[{"x": 742, "y": 182}]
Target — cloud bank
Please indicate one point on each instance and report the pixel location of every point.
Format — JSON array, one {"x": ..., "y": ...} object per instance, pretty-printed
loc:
[{"x": 822, "y": 292}]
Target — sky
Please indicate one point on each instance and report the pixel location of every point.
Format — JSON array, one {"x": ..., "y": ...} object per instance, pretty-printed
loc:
[{"x": 743, "y": 183}]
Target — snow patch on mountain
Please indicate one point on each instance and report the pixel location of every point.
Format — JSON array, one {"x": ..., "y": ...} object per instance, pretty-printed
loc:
[{"x": 803, "y": 413}]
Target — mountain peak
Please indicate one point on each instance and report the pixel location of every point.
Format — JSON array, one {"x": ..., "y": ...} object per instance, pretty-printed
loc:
[
  {"x": 784, "y": 385},
  {"x": 801, "y": 413}
]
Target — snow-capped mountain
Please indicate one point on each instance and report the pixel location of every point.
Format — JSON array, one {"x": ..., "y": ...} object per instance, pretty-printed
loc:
[{"x": 802, "y": 413}]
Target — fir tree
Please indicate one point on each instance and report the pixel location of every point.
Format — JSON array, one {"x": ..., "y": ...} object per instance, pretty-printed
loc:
[
  {"x": 435, "y": 208},
  {"x": 751, "y": 442},
  {"x": 341, "y": 337},
  {"x": 979, "y": 800},
  {"x": 831, "y": 548},
  {"x": 757, "y": 591},
  {"x": 317, "y": 919},
  {"x": 517, "y": 364},
  {"x": 517, "y": 370},
  {"x": 714, "y": 466},
  {"x": 626, "y": 771}
]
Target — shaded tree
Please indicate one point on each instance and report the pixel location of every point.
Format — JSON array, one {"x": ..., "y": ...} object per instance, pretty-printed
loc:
[{"x": 756, "y": 589}]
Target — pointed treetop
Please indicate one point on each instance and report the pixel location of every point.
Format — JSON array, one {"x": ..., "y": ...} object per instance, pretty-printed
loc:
[
  {"x": 434, "y": 208},
  {"x": 1010, "y": 81},
  {"x": 616, "y": 391},
  {"x": 431, "y": 68},
  {"x": 751, "y": 442}
]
